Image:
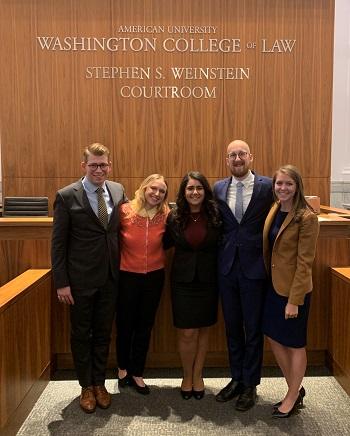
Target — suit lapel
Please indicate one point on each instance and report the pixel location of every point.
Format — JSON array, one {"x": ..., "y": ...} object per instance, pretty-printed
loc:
[
  {"x": 269, "y": 220},
  {"x": 222, "y": 192},
  {"x": 254, "y": 197},
  {"x": 82, "y": 198},
  {"x": 285, "y": 223},
  {"x": 112, "y": 194},
  {"x": 222, "y": 197},
  {"x": 115, "y": 201},
  {"x": 267, "y": 226}
]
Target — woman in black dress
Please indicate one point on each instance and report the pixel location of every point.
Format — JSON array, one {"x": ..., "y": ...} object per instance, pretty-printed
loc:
[
  {"x": 290, "y": 236},
  {"x": 193, "y": 226}
]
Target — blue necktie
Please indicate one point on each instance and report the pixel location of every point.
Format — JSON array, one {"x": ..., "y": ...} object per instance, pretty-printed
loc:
[{"x": 239, "y": 202}]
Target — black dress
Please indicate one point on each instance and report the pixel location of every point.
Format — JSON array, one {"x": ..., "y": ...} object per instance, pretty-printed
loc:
[
  {"x": 194, "y": 292},
  {"x": 291, "y": 332}
]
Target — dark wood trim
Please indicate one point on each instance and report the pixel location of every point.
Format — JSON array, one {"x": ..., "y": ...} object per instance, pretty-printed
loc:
[
  {"x": 20, "y": 414},
  {"x": 214, "y": 359},
  {"x": 339, "y": 374}
]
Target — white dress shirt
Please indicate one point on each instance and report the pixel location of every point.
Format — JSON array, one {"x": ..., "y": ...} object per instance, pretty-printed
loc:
[
  {"x": 90, "y": 190},
  {"x": 248, "y": 186}
]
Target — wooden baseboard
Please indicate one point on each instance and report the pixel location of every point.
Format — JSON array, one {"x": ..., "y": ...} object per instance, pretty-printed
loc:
[
  {"x": 340, "y": 375},
  {"x": 214, "y": 359},
  {"x": 20, "y": 414}
]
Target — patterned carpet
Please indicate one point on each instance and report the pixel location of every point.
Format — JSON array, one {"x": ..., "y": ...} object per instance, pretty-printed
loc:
[{"x": 326, "y": 411}]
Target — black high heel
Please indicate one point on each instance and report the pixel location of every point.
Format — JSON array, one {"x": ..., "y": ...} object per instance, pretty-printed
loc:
[
  {"x": 143, "y": 390},
  {"x": 278, "y": 414},
  {"x": 124, "y": 382},
  {"x": 186, "y": 395},
  {"x": 302, "y": 394},
  {"x": 198, "y": 395}
]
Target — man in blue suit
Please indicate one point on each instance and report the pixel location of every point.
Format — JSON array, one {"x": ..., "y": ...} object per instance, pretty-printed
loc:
[{"x": 244, "y": 201}]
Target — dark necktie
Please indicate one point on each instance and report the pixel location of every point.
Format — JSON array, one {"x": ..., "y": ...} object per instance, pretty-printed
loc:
[
  {"x": 239, "y": 202},
  {"x": 102, "y": 208}
]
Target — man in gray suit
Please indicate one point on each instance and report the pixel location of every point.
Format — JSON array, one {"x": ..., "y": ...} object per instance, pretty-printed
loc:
[{"x": 85, "y": 265}]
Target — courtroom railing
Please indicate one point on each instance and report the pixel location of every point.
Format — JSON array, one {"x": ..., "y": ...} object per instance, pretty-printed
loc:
[{"x": 25, "y": 345}]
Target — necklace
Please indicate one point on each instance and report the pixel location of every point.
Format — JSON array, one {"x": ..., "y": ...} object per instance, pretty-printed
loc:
[{"x": 195, "y": 218}]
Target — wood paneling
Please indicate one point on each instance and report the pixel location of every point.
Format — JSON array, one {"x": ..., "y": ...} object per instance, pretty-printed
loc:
[
  {"x": 19, "y": 255},
  {"x": 339, "y": 326},
  {"x": 24, "y": 337},
  {"x": 332, "y": 249},
  {"x": 33, "y": 187},
  {"x": 50, "y": 111},
  {"x": 330, "y": 252}
]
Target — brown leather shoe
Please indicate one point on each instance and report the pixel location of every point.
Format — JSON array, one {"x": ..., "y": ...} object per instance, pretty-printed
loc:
[
  {"x": 87, "y": 400},
  {"x": 103, "y": 398}
]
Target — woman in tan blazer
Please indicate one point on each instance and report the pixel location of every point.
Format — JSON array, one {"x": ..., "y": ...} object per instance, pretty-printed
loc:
[{"x": 290, "y": 236}]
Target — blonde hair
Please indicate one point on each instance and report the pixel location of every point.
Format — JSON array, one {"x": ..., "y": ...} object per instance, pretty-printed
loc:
[
  {"x": 138, "y": 203},
  {"x": 95, "y": 149}
]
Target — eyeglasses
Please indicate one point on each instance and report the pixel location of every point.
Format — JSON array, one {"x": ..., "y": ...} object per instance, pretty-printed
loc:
[
  {"x": 94, "y": 166},
  {"x": 240, "y": 154}
]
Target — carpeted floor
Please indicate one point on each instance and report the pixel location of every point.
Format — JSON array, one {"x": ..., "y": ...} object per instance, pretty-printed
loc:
[{"x": 326, "y": 411}]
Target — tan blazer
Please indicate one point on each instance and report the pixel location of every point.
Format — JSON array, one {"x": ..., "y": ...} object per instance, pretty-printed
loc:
[{"x": 293, "y": 253}]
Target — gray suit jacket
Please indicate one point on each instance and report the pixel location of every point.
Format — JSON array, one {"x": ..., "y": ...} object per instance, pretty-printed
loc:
[{"x": 83, "y": 252}]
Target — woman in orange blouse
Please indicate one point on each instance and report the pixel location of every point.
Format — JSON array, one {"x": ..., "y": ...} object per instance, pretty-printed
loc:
[{"x": 142, "y": 225}]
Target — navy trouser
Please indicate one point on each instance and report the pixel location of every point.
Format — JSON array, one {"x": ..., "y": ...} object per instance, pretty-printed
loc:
[{"x": 242, "y": 302}]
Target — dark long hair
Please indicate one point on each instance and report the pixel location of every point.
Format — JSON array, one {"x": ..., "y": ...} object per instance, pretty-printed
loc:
[{"x": 209, "y": 206}]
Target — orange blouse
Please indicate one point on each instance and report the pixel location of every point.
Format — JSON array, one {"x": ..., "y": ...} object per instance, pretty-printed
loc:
[{"x": 141, "y": 246}]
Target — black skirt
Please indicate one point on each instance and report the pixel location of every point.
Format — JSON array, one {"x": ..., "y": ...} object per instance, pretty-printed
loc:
[
  {"x": 194, "y": 305},
  {"x": 290, "y": 332}
]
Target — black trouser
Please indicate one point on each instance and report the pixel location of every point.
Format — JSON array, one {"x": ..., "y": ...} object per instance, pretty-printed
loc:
[
  {"x": 138, "y": 300},
  {"x": 91, "y": 319}
]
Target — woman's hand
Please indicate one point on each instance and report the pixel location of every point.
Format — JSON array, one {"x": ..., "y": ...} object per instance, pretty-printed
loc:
[{"x": 291, "y": 311}]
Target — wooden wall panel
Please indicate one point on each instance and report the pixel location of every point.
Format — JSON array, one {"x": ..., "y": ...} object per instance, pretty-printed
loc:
[
  {"x": 33, "y": 186},
  {"x": 333, "y": 249},
  {"x": 19, "y": 255},
  {"x": 50, "y": 111},
  {"x": 24, "y": 339},
  {"x": 162, "y": 135},
  {"x": 330, "y": 252},
  {"x": 339, "y": 326},
  {"x": 284, "y": 111}
]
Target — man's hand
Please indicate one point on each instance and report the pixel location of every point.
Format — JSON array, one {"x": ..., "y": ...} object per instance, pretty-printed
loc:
[{"x": 64, "y": 295}]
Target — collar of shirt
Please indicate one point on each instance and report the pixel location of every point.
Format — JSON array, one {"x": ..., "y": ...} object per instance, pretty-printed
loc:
[
  {"x": 90, "y": 187},
  {"x": 90, "y": 190},
  {"x": 247, "y": 181}
]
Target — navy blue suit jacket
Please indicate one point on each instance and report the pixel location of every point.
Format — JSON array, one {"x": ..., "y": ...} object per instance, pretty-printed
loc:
[{"x": 244, "y": 239}]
